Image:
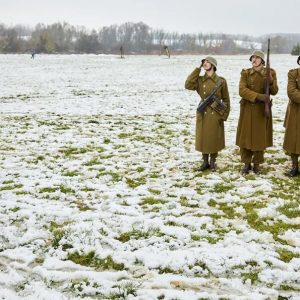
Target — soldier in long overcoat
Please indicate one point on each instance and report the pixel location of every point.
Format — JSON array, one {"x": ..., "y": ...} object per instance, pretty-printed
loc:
[
  {"x": 210, "y": 123},
  {"x": 255, "y": 130},
  {"x": 291, "y": 142}
]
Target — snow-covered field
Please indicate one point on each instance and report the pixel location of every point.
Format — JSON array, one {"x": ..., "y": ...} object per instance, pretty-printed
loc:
[{"x": 100, "y": 197}]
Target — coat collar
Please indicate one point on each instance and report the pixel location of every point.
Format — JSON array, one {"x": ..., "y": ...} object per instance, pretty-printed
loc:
[
  {"x": 214, "y": 77},
  {"x": 262, "y": 71}
]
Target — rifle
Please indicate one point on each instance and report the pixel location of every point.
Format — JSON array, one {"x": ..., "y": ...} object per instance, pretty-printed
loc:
[
  {"x": 267, "y": 84},
  {"x": 210, "y": 99}
]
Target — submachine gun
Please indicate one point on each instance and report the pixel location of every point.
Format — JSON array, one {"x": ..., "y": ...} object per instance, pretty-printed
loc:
[{"x": 212, "y": 100}]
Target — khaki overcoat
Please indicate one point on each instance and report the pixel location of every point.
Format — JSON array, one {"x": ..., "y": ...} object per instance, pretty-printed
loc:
[
  {"x": 209, "y": 124},
  {"x": 292, "y": 117},
  {"x": 255, "y": 131}
]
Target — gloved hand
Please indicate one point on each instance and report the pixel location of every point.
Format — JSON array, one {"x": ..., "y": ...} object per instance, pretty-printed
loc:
[
  {"x": 262, "y": 97},
  {"x": 271, "y": 78}
]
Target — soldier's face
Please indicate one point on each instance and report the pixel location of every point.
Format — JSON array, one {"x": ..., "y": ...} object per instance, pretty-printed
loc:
[
  {"x": 207, "y": 66},
  {"x": 256, "y": 61}
]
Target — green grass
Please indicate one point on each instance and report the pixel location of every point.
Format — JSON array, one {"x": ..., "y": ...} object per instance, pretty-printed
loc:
[
  {"x": 90, "y": 260},
  {"x": 211, "y": 239},
  {"x": 82, "y": 206},
  {"x": 195, "y": 237},
  {"x": 154, "y": 192},
  {"x": 73, "y": 150},
  {"x": 71, "y": 173},
  {"x": 290, "y": 209},
  {"x": 92, "y": 162},
  {"x": 70, "y": 151},
  {"x": 15, "y": 209},
  {"x": 11, "y": 187},
  {"x": 182, "y": 184},
  {"x": 124, "y": 290},
  {"x": 66, "y": 190},
  {"x": 152, "y": 201},
  {"x": 87, "y": 189},
  {"x": 212, "y": 203},
  {"x": 49, "y": 189},
  {"x": 184, "y": 201},
  {"x": 286, "y": 255},
  {"x": 133, "y": 183},
  {"x": 227, "y": 210},
  {"x": 62, "y": 127},
  {"x": 7, "y": 181},
  {"x": 167, "y": 270},
  {"x": 252, "y": 276},
  {"x": 139, "y": 234},
  {"x": 286, "y": 287},
  {"x": 93, "y": 122},
  {"x": 22, "y": 193},
  {"x": 58, "y": 233},
  {"x": 222, "y": 188},
  {"x": 259, "y": 224},
  {"x": 124, "y": 135},
  {"x": 114, "y": 176}
]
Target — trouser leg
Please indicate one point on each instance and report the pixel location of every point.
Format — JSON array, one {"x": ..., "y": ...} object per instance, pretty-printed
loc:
[
  {"x": 213, "y": 157},
  {"x": 294, "y": 158},
  {"x": 295, "y": 169},
  {"x": 205, "y": 163},
  {"x": 258, "y": 157},
  {"x": 246, "y": 155}
]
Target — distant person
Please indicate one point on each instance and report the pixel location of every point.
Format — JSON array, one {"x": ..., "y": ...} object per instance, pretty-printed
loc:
[
  {"x": 167, "y": 51},
  {"x": 33, "y": 52},
  {"x": 255, "y": 130},
  {"x": 291, "y": 142},
  {"x": 121, "y": 52},
  {"x": 210, "y": 137}
]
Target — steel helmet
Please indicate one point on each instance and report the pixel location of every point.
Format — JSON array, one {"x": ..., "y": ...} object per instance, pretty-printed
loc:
[
  {"x": 258, "y": 53},
  {"x": 211, "y": 60}
]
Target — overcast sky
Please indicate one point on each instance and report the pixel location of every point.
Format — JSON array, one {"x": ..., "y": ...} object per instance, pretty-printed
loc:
[{"x": 254, "y": 17}]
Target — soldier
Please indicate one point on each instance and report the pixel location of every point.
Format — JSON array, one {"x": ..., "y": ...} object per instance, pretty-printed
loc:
[
  {"x": 291, "y": 142},
  {"x": 209, "y": 124},
  {"x": 254, "y": 132}
]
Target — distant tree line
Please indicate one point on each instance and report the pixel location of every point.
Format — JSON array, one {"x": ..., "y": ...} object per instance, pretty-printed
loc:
[
  {"x": 296, "y": 50},
  {"x": 134, "y": 38}
]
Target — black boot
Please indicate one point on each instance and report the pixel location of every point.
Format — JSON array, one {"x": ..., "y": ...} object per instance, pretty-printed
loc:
[
  {"x": 205, "y": 165},
  {"x": 256, "y": 169},
  {"x": 294, "y": 171},
  {"x": 246, "y": 169},
  {"x": 213, "y": 165}
]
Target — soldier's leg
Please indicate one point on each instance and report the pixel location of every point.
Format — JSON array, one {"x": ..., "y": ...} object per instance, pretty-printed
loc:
[
  {"x": 294, "y": 158},
  {"x": 205, "y": 164},
  {"x": 295, "y": 169},
  {"x": 213, "y": 157},
  {"x": 258, "y": 158},
  {"x": 246, "y": 157}
]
